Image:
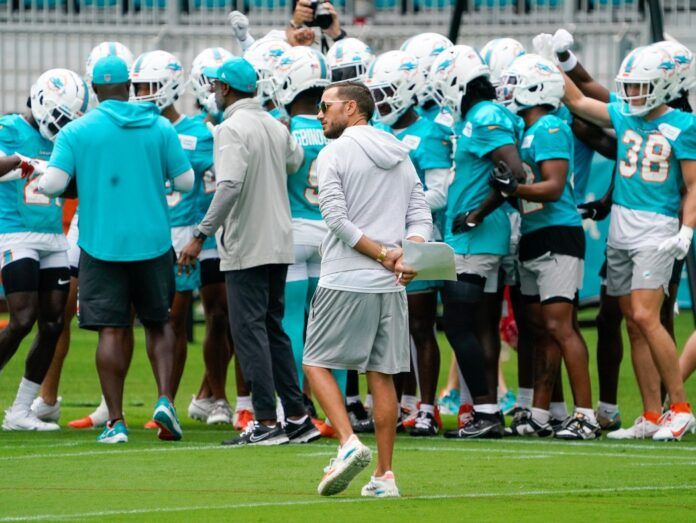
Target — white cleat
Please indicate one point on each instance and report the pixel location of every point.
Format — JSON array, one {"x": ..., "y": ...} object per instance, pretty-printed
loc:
[
  {"x": 26, "y": 421},
  {"x": 351, "y": 459},
  {"x": 221, "y": 413},
  {"x": 675, "y": 426},
  {"x": 199, "y": 409},
  {"x": 641, "y": 429},
  {"x": 382, "y": 487},
  {"x": 44, "y": 411}
]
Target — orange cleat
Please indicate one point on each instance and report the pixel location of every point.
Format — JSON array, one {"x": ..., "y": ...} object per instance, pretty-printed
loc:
[
  {"x": 151, "y": 425},
  {"x": 326, "y": 430},
  {"x": 82, "y": 423},
  {"x": 466, "y": 414},
  {"x": 438, "y": 418},
  {"x": 242, "y": 418}
]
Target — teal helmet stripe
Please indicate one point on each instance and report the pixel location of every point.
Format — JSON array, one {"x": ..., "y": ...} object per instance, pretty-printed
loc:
[
  {"x": 112, "y": 49},
  {"x": 85, "y": 101},
  {"x": 216, "y": 53},
  {"x": 322, "y": 62},
  {"x": 139, "y": 63}
]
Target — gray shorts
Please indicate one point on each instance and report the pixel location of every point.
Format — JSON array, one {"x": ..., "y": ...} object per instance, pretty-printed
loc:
[
  {"x": 551, "y": 276},
  {"x": 358, "y": 331},
  {"x": 632, "y": 269}
]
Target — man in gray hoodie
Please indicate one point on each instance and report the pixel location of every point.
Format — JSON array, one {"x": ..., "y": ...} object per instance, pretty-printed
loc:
[{"x": 371, "y": 198}]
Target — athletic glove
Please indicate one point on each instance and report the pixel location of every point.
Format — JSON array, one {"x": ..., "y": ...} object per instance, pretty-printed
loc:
[
  {"x": 562, "y": 41},
  {"x": 596, "y": 210},
  {"x": 240, "y": 25},
  {"x": 460, "y": 223},
  {"x": 502, "y": 179},
  {"x": 543, "y": 46},
  {"x": 679, "y": 244}
]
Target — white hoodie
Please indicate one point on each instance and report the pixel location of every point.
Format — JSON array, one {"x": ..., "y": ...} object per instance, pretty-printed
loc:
[{"x": 367, "y": 186}]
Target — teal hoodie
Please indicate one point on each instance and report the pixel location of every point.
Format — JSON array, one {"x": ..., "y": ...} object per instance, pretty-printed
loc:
[{"x": 122, "y": 155}]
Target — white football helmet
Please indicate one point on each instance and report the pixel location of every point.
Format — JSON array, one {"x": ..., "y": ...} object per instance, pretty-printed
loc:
[
  {"x": 299, "y": 69},
  {"x": 264, "y": 55},
  {"x": 685, "y": 77},
  {"x": 426, "y": 47},
  {"x": 530, "y": 81},
  {"x": 107, "y": 49},
  {"x": 349, "y": 59},
  {"x": 450, "y": 74},
  {"x": 165, "y": 74},
  {"x": 58, "y": 97},
  {"x": 394, "y": 79},
  {"x": 498, "y": 54},
  {"x": 200, "y": 83},
  {"x": 653, "y": 71}
]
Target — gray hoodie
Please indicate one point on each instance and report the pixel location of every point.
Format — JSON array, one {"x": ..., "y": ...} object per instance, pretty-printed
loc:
[{"x": 368, "y": 186}]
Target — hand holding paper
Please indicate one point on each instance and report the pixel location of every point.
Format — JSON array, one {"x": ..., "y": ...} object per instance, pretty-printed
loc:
[{"x": 430, "y": 261}]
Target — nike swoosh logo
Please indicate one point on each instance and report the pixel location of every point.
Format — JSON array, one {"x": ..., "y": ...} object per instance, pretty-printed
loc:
[
  {"x": 63, "y": 282},
  {"x": 254, "y": 439},
  {"x": 678, "y": 433}
]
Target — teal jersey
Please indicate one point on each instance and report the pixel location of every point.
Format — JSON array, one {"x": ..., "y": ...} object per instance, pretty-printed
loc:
[
  {"x": 582, "y": 157},
  {"x": 430, "y": 113},
  {"x": 303, "y": 186},
  {"x": 122, "y": 155},
  {"x": 548, "y": 139},
  {"x": 430, "y": 144},
  {"x": 487, "y": 127},
  {"x": 23, "y": 208},
  {"x": 197, "y": 142},
  {"x": 649, "y": 173},
  {"x": 206, "y": 192}
]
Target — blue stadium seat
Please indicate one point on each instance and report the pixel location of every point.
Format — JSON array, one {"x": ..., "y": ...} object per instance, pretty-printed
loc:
[
  {"x": 149, "y": 4},
  {"x": 41, "y": 4}
]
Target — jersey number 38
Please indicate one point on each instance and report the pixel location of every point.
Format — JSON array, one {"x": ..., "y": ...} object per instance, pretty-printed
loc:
[{"x": 654, "y": 166}]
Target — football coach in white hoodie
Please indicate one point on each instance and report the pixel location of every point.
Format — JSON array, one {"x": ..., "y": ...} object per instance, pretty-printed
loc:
[{"x": 371, "y": 198}]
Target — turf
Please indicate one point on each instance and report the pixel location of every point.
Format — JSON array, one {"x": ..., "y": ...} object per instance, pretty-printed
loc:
[{"x": 68, "y": 476}]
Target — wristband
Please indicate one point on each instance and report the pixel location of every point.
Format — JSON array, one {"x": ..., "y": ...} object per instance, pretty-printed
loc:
[
  {"x": 570, "y": 63},
  {"x": 382, "y": 254}
]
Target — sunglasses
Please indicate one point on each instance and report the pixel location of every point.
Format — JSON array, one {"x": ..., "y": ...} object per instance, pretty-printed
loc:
[{"x": 324, "y": 106}]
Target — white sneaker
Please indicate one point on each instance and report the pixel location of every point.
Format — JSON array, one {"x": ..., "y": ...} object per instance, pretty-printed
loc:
[
  {"x": 44, "y": 411},
  {"x": 221, "y": 412},
  {"x": 352, "y": 457},
  {"x": 200, "y": 409},
  {"x": 641, "y": 429},
  {"x": 675, "y": 426},
  {"x": 26, "y": 420},
  {"x": 382, "y": 487}
]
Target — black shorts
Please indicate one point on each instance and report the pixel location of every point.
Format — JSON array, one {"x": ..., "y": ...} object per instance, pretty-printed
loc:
[
  {"x": 210, "y": 272},
  {"x": 107, "y": 290},
  {"x": 26, "y": 275}
]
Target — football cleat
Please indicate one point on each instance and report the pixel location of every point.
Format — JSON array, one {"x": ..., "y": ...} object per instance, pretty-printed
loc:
[
  {"x": 259, "y": 434},
  {"x": 167, "y": 420},
  {"x": 44, "y": 411},
  {"x": 465, "y": 414},
  {"x": 304, "y": 432},
  {"x": 351, "y": 459},
  {"x": 578, "y": 427},
  {"x": 360, "y": 420},
  {"x": 151, "y": 425},
  {"x": 523, "y": 424},
  {"x": 114, "y": 433},
  {"x": 242, "y": 418},
  {"x": 675, "y": 426},
  {"x": 326, "y": 430},
  {"x": 641, "y": 429},
  {"x": 199, "y": 409},
  {"x": 481, "y": 426},
  {"x": 449, "y": 403},
  {"x": 220, "y": 413},
  {"x": 382, "y": 487},
  {"x": 425, "y": 425},
  {"x": 609, "y": 423},
  {"x": 97, "y": 418},
  {"x": 26, "y": 420}
]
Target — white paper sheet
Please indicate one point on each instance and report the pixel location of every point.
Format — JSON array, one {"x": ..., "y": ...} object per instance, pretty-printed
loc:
[{"x": 432, "y": 261}]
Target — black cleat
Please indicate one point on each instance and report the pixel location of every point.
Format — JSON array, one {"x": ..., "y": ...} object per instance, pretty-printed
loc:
[
  {"x": 304, "y": 432},
  {"x": 259, "y": 434},
  {"x": 425, "y": 425},
  {"x": 360, "y": 420},
  {"x": 579, "y": 428},
  {"x": 482, "y": 426}
]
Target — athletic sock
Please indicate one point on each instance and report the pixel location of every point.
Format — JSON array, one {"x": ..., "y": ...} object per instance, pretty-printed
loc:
[
  {"x": 540, "y": 416},
  {"x": 607, "y": 410},
  {"x": 487, "y": 408},
  {"x": 525, "y": 397},
  {"x": 429, "y": 409},
  {"x": 26, "y": 394},
  {"x": 352, "y": 399},
  {"x": 244, "y": 403},
  {"x": 558, "y": 410},
  {"x": 368, "y": 401},
  {"x": 298, "y": 421},
  {"x": 652, "y": 417},
  {"x": 409, "y": 402},
  {"x": 680, "y": 408},
  {"x": 588, "y": 413}
]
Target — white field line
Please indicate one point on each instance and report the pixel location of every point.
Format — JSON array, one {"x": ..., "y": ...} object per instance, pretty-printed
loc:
[{"x": 324, "y": 501}]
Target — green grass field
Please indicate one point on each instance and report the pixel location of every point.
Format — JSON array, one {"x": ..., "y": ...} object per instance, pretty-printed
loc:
[{"x": 68, "y": 476}]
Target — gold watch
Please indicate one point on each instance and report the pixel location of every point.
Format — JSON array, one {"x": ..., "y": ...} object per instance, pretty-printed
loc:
[{"x": 382, "y": 254}]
